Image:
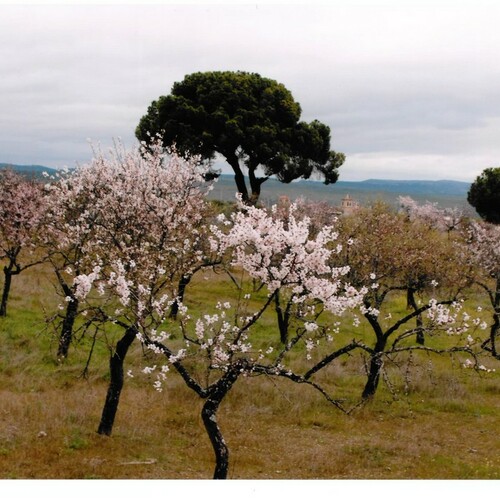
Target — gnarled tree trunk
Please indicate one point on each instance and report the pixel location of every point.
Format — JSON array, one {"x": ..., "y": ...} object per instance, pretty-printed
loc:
[
  {"x": 209, "y": 417},
  {"x": 67, "y": 328},
  {"x": 116, "y": 382},
  {"x": 375, "y": 369},
  {"x": 419, "y": 323},
  {"x": 283, "y": 318},
  {"x": 495, "y": 327},
  {"x": 239, "y": 178},
  {"x": 255, "y": 184},
  {"x": 183, "y": 283},
  {"x": 8, "y": 272}
]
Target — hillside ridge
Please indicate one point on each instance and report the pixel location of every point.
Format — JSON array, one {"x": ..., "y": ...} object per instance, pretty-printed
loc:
[
  {"x": 28, "y": 169},
  {"x": 447, "y": 193}
]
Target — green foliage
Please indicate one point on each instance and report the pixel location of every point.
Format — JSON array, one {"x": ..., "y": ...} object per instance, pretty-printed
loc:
[
  {"x": 242, "y": 116},
  {"x": 484, "y": 195}
]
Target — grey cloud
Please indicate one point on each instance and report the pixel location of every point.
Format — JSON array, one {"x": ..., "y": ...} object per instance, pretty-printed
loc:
[{"x": 397, "y": 84}]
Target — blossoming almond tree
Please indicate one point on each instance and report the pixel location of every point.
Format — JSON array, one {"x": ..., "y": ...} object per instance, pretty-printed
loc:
[
  {"x": 133, "y": 220},
  {"x": 68, "y": 243},
  {"x": 444, "y": 219},
  {"x": 21, "y": 210},
  {"x": 391, "y": 254},
  {"x": 222, "y": 345},
  {"x": 478, "y": 250},
  {"x": 483, "y": 241},
  {"x": 320, "y": 214}
]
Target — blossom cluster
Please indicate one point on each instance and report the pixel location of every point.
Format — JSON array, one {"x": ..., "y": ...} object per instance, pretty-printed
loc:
[
  {"x": 445, "y": 219},
  {"x": 284, "y": 255},
  {"x": 118, "y": 225},
  {"x": 138, "y": 220},
  {"x": 484, "y": 244},
  {"x": 22, "y": 206},
  {"x": 453, "y": 318},
  {"x": 468, "y": 363}
]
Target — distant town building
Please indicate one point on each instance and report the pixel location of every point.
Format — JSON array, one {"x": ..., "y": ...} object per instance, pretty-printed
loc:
[{"x": 348, "y": 205}]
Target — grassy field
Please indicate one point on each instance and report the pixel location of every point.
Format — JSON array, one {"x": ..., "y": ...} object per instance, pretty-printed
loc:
[{"x": 441, "y": 423}]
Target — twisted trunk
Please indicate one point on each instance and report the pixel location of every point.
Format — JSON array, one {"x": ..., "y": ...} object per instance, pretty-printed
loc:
[
  {"x": 490, "y": 344},
  {"x": 67, "y": 328},
  {"x": 8, "y": 272},
  {"x": 66, "y": 334},
  {"x": 283, "y": 318},
  {"x": 209, "y": 416},
  {"x": 183, "y": 283},
  {"x": 494, "y": 333},
  {"x": 255, "y": 184},
  {"x": 419, "y": 323},
  {"x": 116, "y": 382},
  {"x": 375, "y": 369},
  {"x": 495, "y": 327},
  {"x": 239, "y": 178},
  {"x": 376, "y": 361}
]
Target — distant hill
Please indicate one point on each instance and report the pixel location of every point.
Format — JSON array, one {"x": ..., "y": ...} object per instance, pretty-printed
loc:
[
  {"x": 438, "y": 188},
  {"x": 445, "y": 193},
  {"x": 30, "y": 170}
]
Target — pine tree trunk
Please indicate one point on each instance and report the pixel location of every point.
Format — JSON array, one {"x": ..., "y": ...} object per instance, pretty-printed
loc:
[
  {"x": 67, "y": 328},
  {"x": 116, "y": 382},
  {"x": 239, "y": 178},
  {"x": 255, "y": 184}
]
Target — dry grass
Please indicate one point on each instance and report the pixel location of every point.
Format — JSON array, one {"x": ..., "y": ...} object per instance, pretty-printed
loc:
[
  {"x": 272, "y": 433},
  {"x": 445, "y": 427}
]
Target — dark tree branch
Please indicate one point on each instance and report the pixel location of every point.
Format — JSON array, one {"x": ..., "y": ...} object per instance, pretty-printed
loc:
[{"x": 334, "y": 355}]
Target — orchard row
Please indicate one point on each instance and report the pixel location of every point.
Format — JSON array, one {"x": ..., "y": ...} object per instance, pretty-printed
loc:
[{"x": 126, "y": 234}]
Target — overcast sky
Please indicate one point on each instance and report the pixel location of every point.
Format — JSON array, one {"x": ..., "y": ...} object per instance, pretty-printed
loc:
[{"x": 410, "y": 90}]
